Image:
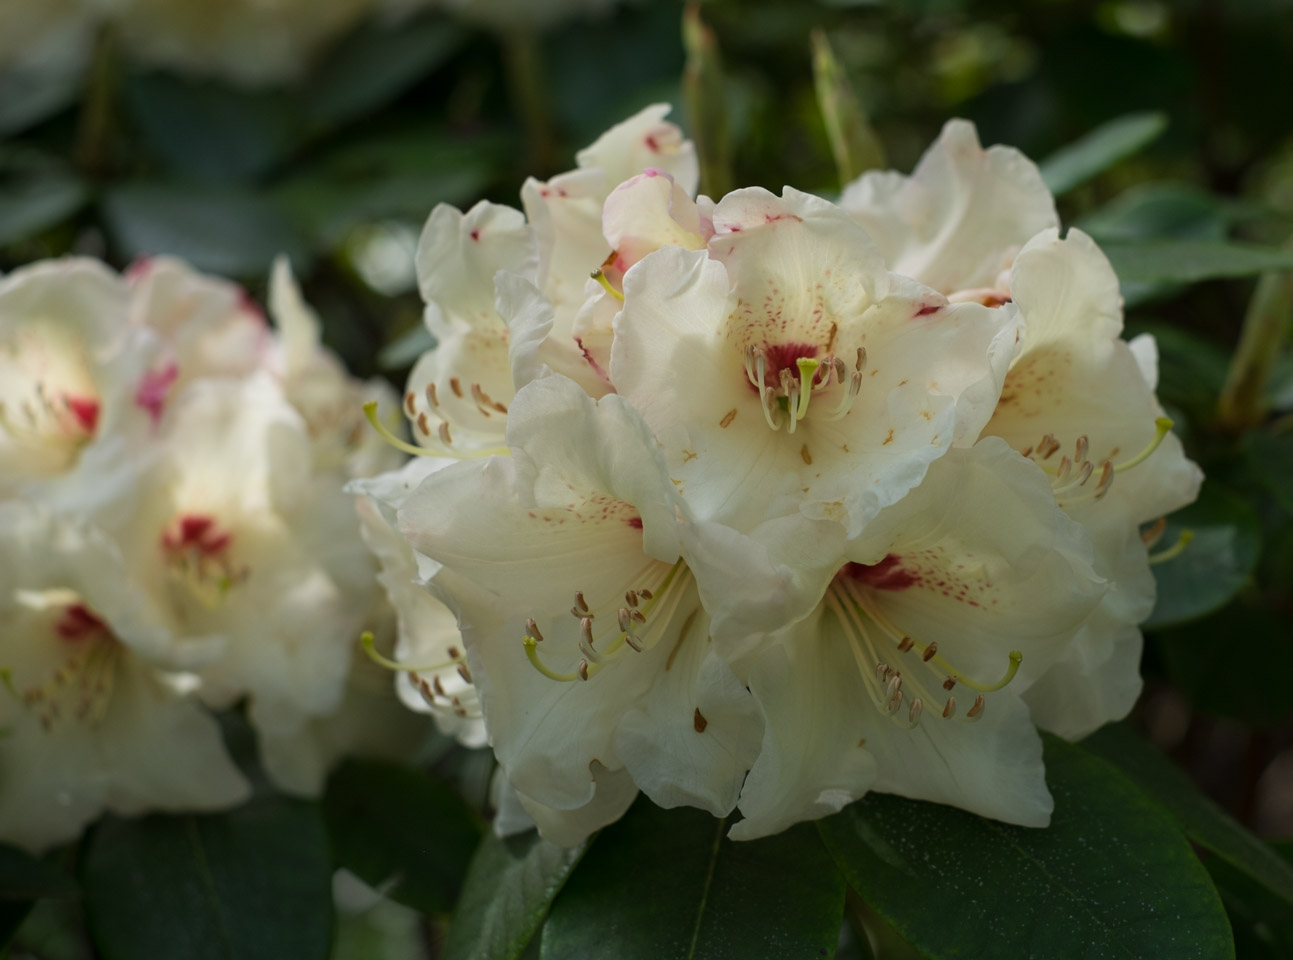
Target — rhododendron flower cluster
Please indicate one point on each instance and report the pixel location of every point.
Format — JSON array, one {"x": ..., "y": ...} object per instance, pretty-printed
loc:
[
  {"x": 764, "y": 502},
  {"x": 174, "y": 537}
]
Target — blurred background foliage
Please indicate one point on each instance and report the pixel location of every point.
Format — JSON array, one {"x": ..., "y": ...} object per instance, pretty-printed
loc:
[{"x": 341, "y": 169}]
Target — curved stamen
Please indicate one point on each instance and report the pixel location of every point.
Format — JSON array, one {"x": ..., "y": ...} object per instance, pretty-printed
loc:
[
  {"x": 1175, "y": 550},
  {"x": 368, "y": 642},
  {"x": 1162, "y": 427},
  {"x": 606, "y": 284},
  {"x": 370, "y": 412}
]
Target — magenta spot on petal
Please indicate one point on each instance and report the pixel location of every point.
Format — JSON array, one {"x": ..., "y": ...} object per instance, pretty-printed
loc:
[
  {"x": 475, "y": 235},
  {"x": 888, "y": 574},
  {"x": 927, "y": 309},
  {"x": 196, "y": 532},
  {"x": 652, "y": 143},
  {"x": 85, "y": 410},
  {"x": 138, "y": 269},
  {"x": 77, "y": 622},
  {"x": 651, "y": 172},
  {"x": 634, "y": 522},
  {"x": 154, "y": 388}
]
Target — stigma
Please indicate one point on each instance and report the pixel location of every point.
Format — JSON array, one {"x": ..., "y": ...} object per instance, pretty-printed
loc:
[{"x": 786, "y": 395}]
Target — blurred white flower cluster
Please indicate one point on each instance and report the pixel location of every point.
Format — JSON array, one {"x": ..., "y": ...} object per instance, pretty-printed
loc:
[
  {"x": 174, "y": 537},
  {"x": 248, "y": 42},
  {"x": 789, "y": 501}
]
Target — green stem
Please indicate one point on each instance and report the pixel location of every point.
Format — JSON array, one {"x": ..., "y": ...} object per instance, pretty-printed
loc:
[
  {"x": 522, "y": 49},
  {"x": 703, "y": 89},
  {"x": 98, "y": 109},
  {"x": 1243, "y": 401}
]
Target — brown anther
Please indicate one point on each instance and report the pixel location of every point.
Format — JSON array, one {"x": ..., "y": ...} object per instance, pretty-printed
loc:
[
  {"x": 1026, "y": 452},
  {"x": 698, "y": 721},
  {"x": 625, "y": 622},
  {"x": 586, "y": 630},
  {"x": 423, "y": 425},
  {"x": 410, "y": 403},
  {"x": 977, "y": 709},
  {"x": 894, "y": 689},
  {"x": 633, "y": 642},
  {"x": 582, "y": 669},
  {"x": 645, "y": 594},
  {"x": 949, "y": 708},
  {"x": 905, "y": 644},
  {"x": 1084, "y": 474},
  {"x": 882, "y": 672},
  {"x": 631, "y": 598},
  {"x": 1066, "y": 467},
  {"x": 861, "y": 364},
  {"x": 580, "y": 602},
  {"x": 532, "y": 629},
  {"x": 454, "y": 653},
  {"x": 432, "y": 398},
  {"x": 639, "y": 616},
  {"x": 1106, "y": 479},
  {"x": 913, "y": 713},
  {"x": 1080, "y": 450},
  {"x": 439, "y": 687},
  {"x": 455, "y": 386},
  {"x": 444, "y": 433},
  {"x": 930, "y": 652},
  {"x": 464, "y": 672}
]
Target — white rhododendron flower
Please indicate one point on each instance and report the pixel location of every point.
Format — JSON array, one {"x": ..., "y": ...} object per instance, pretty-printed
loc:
[
  {"x": 583, "y": 628},
  {"x": 831, "y": 437},
  {"x": 237, "y": 537},
  {"x": 173, "y": 472},
  {"x": 458, "y": 394},
  {"x": 432, "y": 675},
  {"x": 72, "y": 374},
  {"x": 90, "y": 722}
]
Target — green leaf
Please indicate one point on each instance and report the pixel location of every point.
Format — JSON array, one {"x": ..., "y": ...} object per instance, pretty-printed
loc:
[
  {"x": 510, "y": 886},
  {"x": 1215, "y": 566},
  {"x": 1189, "y": 261},
  {"x": 254, "y": 883},
  {"x": 31, "y": 205},
  {"x": 1270, "y": 458},
  {"x": 1100, "y": 149},
  {"x": 1202, "y": 820},
  {"x": 1110, "y": 877},
  {"x": 228, "y": 231},
  {"x": 374, "y": 65},
  {"x": 24, "y": 877},
  {"x": 213, "y": 131},
  {"x": 1159, "y": 210},
  {"x": 30, "y": 93},
  {"x": 400, "y": 832},
  {"x": 1263, "y": 924},
  {"x": 666, "y": 884}
]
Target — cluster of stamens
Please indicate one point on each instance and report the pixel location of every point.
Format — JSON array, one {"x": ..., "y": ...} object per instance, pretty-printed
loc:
[
  {"x": 462, "y": 702},
  {"x": 81, "y": 686},
  {"x": 888, "y": 686},
  {"x": 197, "y": 556},
  {"x": 42, "y": 417},
  {"x": 787, "y": 400},
  {"x": 484, "y": 404},
  {"x": 1071, "y": 474},
  {"x": 631, "y": 630}
]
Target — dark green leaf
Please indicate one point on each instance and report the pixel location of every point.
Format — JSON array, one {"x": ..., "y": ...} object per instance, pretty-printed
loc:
[
  {"x": 375, "y": 64},
  {"x": 668, "y": 885},
  {"x": 1202, "y": 820},
  {"x": 252, "y": 883},
  {"x": 31, "y": 205},
  {"x": 1270, "y": 457},
  {"x": 1100, "y": 149},
  {"x": 31, "y": 93},
  {"x": 23, "y": 877},
  {"x": 1263, "y": 924},
  {"x": 1217, "y": 563},
  {"x": 224, "y": 230},
  {"x": 1110, "y": 877},
  {"x": 211, "y": 130},
  {"x": 1189, "y": 261},
  {"x": 400, "y": 831},
  {"x": 510, "y": 886},
  {"x": 1159, "y": 211}
]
